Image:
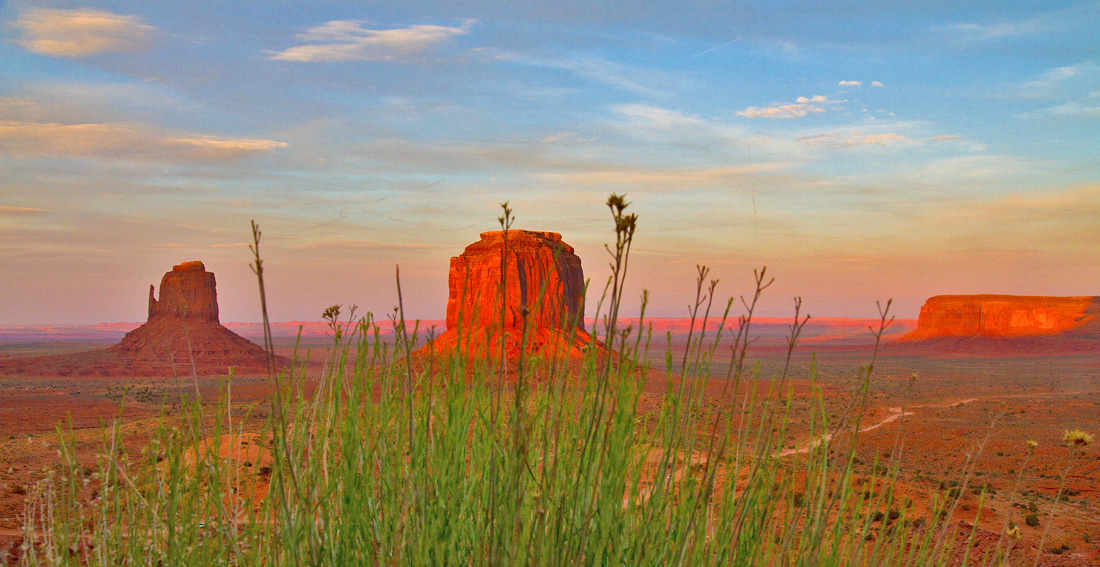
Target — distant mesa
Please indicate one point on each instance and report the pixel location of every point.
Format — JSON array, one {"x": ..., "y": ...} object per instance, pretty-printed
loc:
[
  {"x": 1001, "y": 324},
  {"x": 182, "y": 329},
  {"x": 1006, "y": 316},
  {"x": 543, "y": 284}
]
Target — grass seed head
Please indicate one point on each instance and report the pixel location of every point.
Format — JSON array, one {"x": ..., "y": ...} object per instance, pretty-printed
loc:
[{"x": 1077, "y": 439}]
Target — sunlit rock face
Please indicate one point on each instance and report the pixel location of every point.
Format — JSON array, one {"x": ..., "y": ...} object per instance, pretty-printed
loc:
[
  {"x": 1007, "y": 316},
  {"x": 187, "y": 291},
  {"x": 542, "y": 279},
  {"x": 542, "y": 275}
]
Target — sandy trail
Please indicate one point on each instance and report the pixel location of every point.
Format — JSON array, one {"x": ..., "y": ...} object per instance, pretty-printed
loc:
[
  {"x": 894, "y": 414},
  {"x": 897, "y": 413}
]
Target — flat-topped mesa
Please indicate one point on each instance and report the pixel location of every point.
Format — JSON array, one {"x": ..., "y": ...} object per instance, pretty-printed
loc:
[
  {"x": 1007, "y": 316},
  {"x": 543, "y": 276},
  {"x": 187, "y": 291}
]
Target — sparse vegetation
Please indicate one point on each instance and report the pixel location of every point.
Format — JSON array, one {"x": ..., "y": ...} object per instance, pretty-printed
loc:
[{"x": 399, "y": 460}]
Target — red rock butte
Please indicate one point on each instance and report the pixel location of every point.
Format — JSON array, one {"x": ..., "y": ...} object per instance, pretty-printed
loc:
[
  {"x": 542, "y": 277},
  {"x": 1007, "y": 317},
  {"x": 187, "y": 291},
  {"x": 182, "y": 329}
]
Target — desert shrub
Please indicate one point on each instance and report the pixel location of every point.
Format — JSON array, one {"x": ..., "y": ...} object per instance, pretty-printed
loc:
[
  {"x": 1032, "y": 519},
  {"x": 987, "y": 488}
]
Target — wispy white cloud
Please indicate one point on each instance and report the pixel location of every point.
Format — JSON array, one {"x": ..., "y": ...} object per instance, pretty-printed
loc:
[
  {"x": 9, "y": 211},
  {"x": 1071, "y": 109},
  {"x": 854, "y": 139},
  {"x": 565, "y": 137},
  {"x": 124, "y": 141},
  {"x": 642, "y": 178},
  {"x": 656, "y": 116},
  {"x": 973, "y": 32},
  {"x": 558, "y": 137},
  {"x": 978, "y": 168},
  {"x": 802, "y": 106},
  {"x": 618, "y": 75},
  {"x": 850, "y": 83},
  {"x": 876, "y": 83},
  {"x": 1047, "y": 84},
  {"x": 80, "y": 33},
  {"x": 349, "y": 40},
  {"x": 1056, "y": 75},
  {"x": 654, "y": 124}
]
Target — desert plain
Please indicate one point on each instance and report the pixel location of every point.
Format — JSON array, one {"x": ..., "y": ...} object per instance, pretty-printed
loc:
[{"x": 955, "y": 403}]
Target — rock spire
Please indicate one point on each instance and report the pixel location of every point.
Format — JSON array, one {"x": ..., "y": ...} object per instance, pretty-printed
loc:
[{"x": 187, "y": 291}]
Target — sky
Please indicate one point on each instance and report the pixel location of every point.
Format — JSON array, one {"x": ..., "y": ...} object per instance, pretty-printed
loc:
[{"x": 861, "y": 151}]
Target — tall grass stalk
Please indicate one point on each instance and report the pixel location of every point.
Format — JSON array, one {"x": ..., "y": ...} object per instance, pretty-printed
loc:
[{"x": 380, "y": 461}]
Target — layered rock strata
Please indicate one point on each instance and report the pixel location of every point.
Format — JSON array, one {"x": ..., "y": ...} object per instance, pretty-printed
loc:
[
  {"x": 542, "y": 275},
  {"x": 499, "y": 284},
  {"x": 1007, "y": 316},
  {"x": 187, "y": 291}
]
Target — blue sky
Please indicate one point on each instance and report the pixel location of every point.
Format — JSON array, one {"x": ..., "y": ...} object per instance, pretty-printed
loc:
[{"x": 860, "y": 150}]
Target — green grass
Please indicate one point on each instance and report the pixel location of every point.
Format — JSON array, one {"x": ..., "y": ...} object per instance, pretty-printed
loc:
[{"x": 385, "y": 462}]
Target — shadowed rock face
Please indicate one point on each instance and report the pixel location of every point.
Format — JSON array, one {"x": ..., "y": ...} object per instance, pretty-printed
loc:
[
  {"x": 543, "y": 275},
  {"x": 187, "y": 291},
  {"x": 1007, "y": 316},
  {"x": 183, "y": 326},
  {"x": 182, "y": 335}
]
